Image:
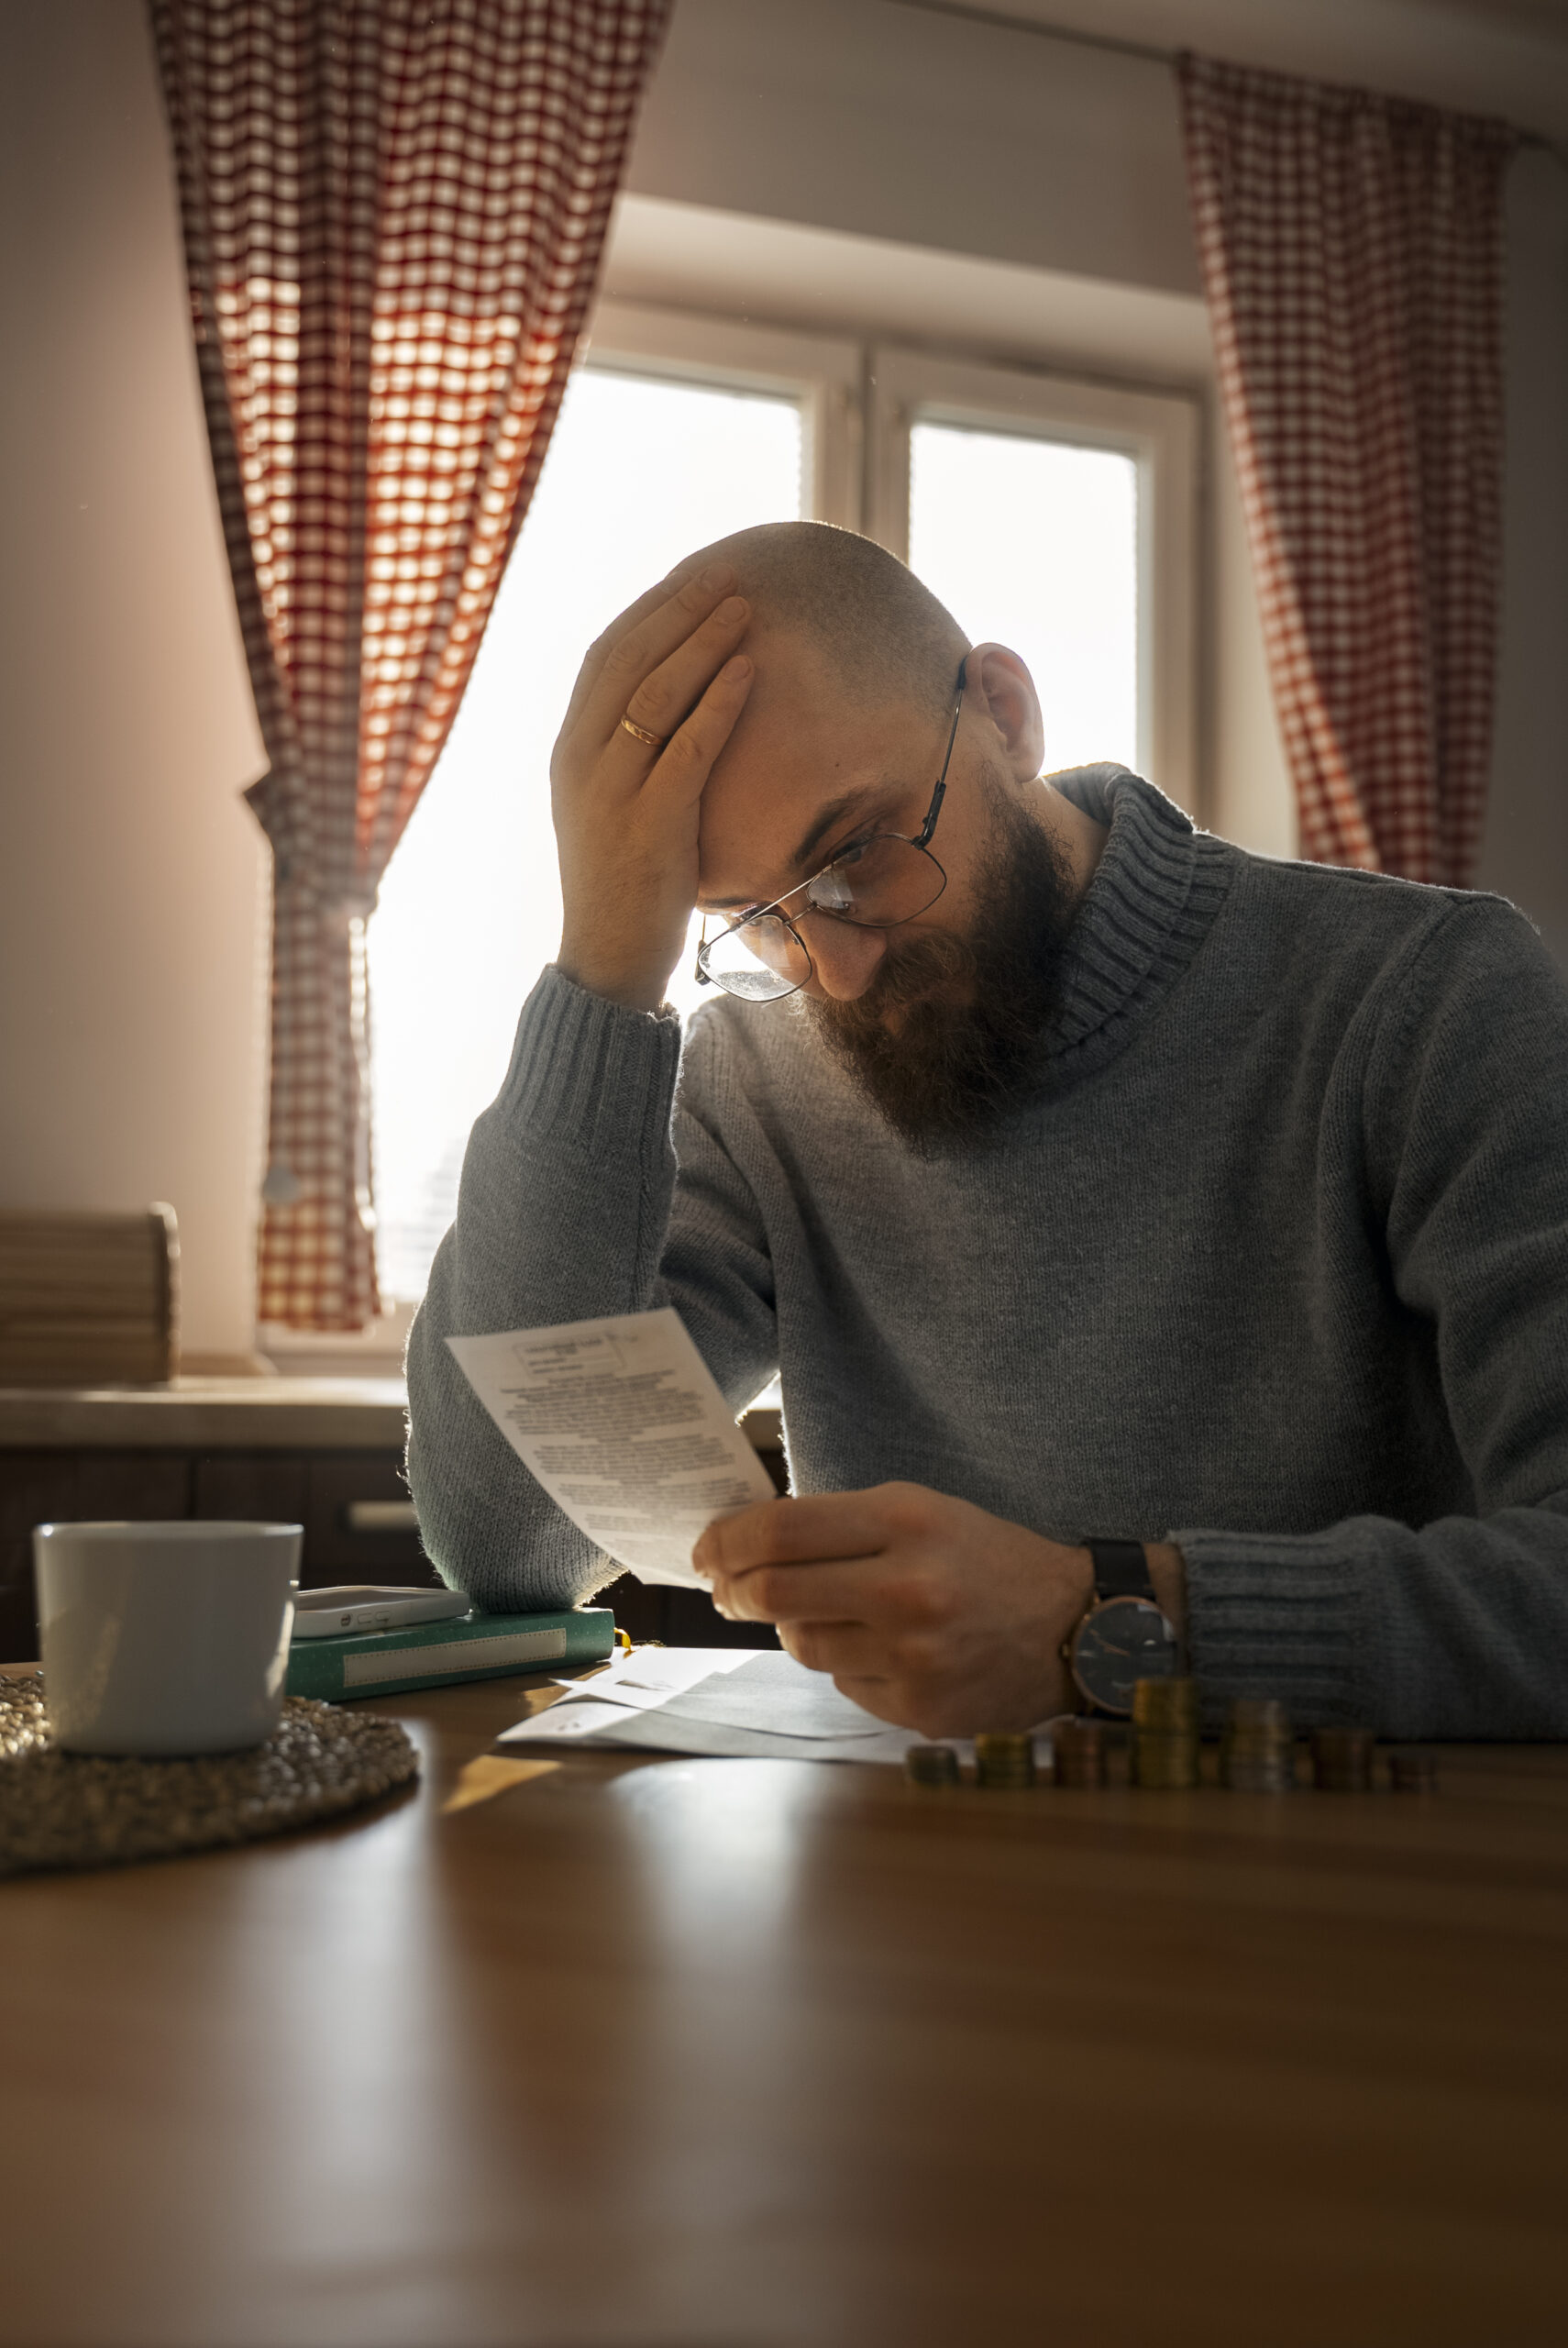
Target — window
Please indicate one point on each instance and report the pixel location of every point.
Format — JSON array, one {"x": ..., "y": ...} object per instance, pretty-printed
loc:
[
  {"x": 645, "y": 463},
  {"x": 986, "y": 510},
  {"x": 1047, "y": 514},
  {"x": 1059, "y": 517}
]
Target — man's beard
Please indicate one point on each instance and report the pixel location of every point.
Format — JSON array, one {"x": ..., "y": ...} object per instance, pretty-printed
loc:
[{"x": 973, "y": 1011}]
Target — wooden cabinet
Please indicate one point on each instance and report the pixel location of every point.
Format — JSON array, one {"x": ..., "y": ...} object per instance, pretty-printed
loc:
[
  {"x": 270, "y": 1485},
  {"x": 324, "y": 1453},
  {"x": 318, "y": 1488}
]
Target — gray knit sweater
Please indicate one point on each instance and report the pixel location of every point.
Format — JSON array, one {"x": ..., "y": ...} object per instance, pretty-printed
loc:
[{"x": 1276, "y": 1265}]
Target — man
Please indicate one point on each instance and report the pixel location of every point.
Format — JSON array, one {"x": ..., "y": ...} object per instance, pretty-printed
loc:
[{"x": 1089, "y": 1180}]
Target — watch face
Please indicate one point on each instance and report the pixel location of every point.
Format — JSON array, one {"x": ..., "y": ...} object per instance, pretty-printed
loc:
[{"x": 1123, "y": 1641}]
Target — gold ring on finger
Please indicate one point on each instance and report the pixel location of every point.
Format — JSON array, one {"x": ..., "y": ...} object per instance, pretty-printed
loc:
[{"x": 656, "y": 741}]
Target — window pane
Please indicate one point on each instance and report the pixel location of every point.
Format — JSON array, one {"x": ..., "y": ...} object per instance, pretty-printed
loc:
[
  {"x": 640, "y": 471},
  {"x": 1034, "y": 544}
]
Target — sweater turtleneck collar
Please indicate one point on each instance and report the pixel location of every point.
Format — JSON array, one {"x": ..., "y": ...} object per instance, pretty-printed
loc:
[{"x": 1147, "y": 910}]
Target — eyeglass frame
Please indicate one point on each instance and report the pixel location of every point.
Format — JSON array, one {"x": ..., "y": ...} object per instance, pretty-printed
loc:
[{"x": 921, "y": 840}]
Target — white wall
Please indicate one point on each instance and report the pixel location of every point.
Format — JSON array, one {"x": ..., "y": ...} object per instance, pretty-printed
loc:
[
  {"x": 1500, "y": 56},
  {"x": 131, "y": 1027},
  {"x": 966, "y": 138}
]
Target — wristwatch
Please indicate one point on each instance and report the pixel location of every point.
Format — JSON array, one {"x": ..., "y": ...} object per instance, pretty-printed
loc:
[{"x": 1124, "y": 1637}]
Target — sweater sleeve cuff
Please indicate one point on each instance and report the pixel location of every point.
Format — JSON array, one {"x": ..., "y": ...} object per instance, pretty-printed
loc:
[
  {"x": 587, "y": 1069},
  {"x": 1290, "y": 1616}
]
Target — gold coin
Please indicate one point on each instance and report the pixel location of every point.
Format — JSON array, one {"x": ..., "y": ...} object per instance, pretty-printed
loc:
[
  {"x": 1163, "y": 1759},
  {"x": 1165, "y": 1704},
  {"x": 1005, "y": 1760}
]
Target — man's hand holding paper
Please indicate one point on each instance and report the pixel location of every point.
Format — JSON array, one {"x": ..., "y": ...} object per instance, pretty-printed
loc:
[
  {"x": 620, "y": 1422},
  {"x": 926, "y": 1611}
]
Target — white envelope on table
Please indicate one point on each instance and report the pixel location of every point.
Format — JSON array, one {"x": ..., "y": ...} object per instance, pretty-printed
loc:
[{"x": 720, "y": 1701}]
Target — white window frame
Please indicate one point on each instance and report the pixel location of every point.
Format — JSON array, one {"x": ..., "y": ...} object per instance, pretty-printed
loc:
[
  {"x": 1160, "y": 431},
  {"x": 820, "y": 373}
]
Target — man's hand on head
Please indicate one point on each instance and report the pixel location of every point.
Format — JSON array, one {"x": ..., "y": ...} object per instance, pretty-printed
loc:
[
  {"x": 927, "y": 1611},
  {"x": 627, "y": 803}
]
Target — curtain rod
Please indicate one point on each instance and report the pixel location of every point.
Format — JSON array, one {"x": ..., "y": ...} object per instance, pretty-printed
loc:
[
  {"x": 1149, "y": 51},
  {"x": 1144, "y": 49}
]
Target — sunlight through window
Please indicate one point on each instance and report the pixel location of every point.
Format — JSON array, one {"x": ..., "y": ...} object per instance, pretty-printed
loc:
[
  {"x": 1033, "y": 543},
  {"x": 640, "y": 472}
]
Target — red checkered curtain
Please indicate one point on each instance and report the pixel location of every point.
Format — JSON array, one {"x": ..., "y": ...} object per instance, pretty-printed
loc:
[
  {"x": 393, "y": 213},
  {"x": 1352, "y": 248}
]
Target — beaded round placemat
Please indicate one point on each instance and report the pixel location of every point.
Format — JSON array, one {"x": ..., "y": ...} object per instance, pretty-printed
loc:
[{"x": 82, "y": 1809}]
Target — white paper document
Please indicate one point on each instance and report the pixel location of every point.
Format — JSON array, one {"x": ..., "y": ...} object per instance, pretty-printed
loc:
[
  {"x": 727, "y": 1702},
  {"x": 649, "y": 1676},
  {"x": 622, "y": 1423}
]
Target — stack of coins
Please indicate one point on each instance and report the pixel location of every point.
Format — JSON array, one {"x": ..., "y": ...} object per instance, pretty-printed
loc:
[
  {"x": 1164, "y": 1732},
  {"x": 1005, "y": 1760},
  {"x": 931, "y": 1765},
  {"x": 1079, "y": 1747},
  {"x": 1412, "y": 1773},
  {"x": 1257, "y": 1752},
  {"x": 1341, "y": 1760}
]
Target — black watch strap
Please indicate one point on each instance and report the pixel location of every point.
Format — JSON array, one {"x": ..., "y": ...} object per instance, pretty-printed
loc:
[{"x": 1121, "y": 1570}]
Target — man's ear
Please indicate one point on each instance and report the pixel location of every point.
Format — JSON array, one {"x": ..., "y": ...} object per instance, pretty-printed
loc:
[{"x": 999, "y": 686}]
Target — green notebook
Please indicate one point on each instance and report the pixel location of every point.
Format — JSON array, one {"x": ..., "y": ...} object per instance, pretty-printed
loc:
[{"x": 429, "y": 1654}]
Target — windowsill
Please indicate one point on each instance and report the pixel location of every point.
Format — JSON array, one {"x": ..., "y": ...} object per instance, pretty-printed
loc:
[
  {"x": 209, "y": 1414},
  {"x": 375, "y": 1352}
]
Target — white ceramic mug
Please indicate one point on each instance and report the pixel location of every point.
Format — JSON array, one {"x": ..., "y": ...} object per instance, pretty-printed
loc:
[{"x": 165, "y": 1637}]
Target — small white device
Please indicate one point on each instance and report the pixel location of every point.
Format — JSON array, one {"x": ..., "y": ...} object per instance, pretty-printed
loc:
[{"x": 350, "y": 1607}]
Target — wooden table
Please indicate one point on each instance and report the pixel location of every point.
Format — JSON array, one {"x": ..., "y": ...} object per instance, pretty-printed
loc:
[{"x": 673, "y": 2054}]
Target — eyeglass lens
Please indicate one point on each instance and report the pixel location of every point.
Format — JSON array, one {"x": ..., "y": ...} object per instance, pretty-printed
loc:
[
  {"x": 759, "y": 960},
  {"x": 881, "y": 882}
]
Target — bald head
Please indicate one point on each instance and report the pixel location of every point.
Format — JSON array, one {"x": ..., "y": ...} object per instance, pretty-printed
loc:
[{"x": 853, "y": 604}]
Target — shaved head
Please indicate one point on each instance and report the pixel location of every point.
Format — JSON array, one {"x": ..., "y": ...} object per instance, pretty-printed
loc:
[{"x": 878, "y": 629}]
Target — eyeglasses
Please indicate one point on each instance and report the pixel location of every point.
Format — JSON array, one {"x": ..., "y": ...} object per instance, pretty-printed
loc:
[{"x": 874, "y": 883}]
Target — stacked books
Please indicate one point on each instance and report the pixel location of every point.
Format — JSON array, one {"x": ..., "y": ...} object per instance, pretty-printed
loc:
[{"x": 432, "y": 1654}]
